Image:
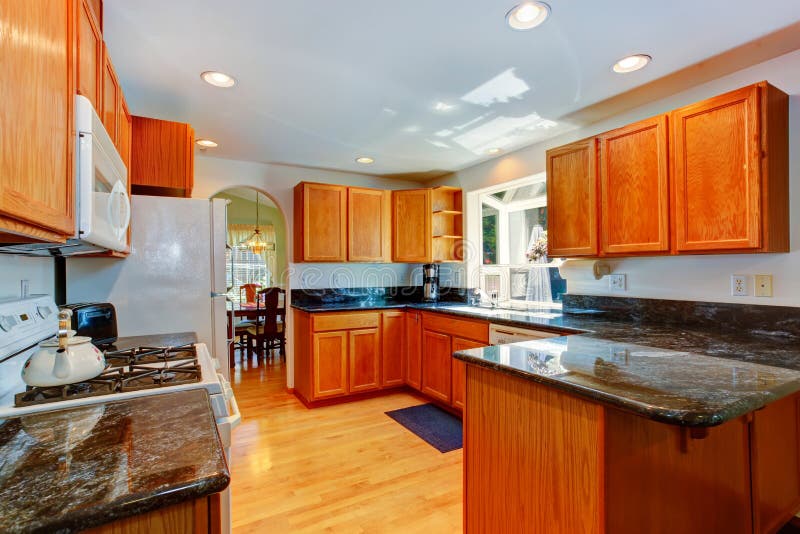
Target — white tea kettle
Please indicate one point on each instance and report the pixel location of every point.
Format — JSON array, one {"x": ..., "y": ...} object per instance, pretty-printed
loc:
[{"x": 64, "y": 360}]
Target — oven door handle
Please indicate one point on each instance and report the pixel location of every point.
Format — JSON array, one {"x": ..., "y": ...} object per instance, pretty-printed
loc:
[{"x": 234, "y": 419}]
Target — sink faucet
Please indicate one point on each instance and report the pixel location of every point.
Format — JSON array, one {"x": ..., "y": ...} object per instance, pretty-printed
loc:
[{"x": 494, "y": 298}]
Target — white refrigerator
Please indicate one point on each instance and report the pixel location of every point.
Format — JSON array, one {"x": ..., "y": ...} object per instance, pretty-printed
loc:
[{"x": 174, "y": 278}]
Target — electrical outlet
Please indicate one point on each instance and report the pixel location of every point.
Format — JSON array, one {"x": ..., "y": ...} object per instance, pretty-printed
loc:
[
  {"x": 616, "y": 282},
  {"x": 739, "y": 285},
  {"x": 763, "y": 285}
]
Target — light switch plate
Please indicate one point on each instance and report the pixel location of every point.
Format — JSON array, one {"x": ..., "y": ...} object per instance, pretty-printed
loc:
[
  {"x": 617, "y": 282},
  {"x": 739, "y": 285},
  {"x": 763, "y": 285}
]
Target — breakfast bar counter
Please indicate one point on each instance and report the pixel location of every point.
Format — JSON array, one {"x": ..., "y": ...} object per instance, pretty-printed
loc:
[{"x": 74, "y": 469}]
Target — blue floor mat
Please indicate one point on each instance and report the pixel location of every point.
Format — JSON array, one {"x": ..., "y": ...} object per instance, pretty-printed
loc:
[{"x": 439, "y": 428}]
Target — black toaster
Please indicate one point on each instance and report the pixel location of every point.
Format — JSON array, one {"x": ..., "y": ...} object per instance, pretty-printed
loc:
[{"x": 97, "y": 320}]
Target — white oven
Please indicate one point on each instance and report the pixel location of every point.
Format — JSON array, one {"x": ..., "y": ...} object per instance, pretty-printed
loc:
[{"x": 102, "y": 205}]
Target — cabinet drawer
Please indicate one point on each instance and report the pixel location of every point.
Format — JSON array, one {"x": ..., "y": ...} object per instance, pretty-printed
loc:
[
  {"x": 464, "y": 328},
  {"x": 344, "y": 321}
]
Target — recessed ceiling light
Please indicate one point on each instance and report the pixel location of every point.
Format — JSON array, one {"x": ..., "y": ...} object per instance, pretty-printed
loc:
[
  {"x": 443, "y": 106},
  {"x": 206, "y": 143},
  {"x": 218, "y": 79},
  {"x": 364, "y": 160},
  {"x": 527, "y": 15},
  {"x": 494, "y": 151},
  {"x": 631, "y": 63}
]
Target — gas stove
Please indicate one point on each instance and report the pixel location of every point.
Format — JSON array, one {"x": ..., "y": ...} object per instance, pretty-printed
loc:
[
  {"x": 129, "y": 373},
  {"x": 126, "y": 370}
]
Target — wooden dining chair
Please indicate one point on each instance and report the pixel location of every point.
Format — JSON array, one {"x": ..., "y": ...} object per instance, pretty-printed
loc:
[
  {"x": 250, "y": 291},
  {"x": 269, "y": 332}
]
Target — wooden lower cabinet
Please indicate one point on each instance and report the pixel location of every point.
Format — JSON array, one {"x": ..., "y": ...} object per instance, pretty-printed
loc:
[
  {"x": 436, "y": 365},
  {"x": 330, "y": 357},
  {"x": 459, "y": 370},
  {"x": 347, "y": 353},
  {"x": 200, "y": 516},
  {"x": 364, "y": 357},
  {"x": 596, "y": 469},
  {"x": 393, "y": 348},
  {"x": 414, "y": 349}
]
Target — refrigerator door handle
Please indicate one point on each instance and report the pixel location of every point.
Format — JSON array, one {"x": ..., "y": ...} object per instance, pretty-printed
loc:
[{"x": 215, "y": 294}]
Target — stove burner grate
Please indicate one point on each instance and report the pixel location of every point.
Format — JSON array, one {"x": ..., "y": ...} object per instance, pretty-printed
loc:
[{"x": 126, "y": 370}]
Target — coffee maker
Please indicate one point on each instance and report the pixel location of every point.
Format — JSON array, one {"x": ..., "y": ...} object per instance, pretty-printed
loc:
[{"x": 430, "y": 282}]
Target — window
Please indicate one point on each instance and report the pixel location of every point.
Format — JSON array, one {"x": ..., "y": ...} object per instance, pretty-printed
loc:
[
  {"x": 244, "y": 267},
  {"x": 513, "y": 249}
]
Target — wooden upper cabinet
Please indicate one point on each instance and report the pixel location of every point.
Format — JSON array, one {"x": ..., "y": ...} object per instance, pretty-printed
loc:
[
  {"x": 436, "y": 365},
  {"x": 393, "y": 356},
  {"x": 365, "y": 357},
  {"x": 413, "y": 349},
  {"x": 572, "y": 200},
  {"x": 368, "y": 220},
  {"x": 725, "y": 197},
  {"x": 411, "y": 226},
  {"x": 634, "y": 188},
  {"x": 320, "y": 212},
  {"x": 37, "y": 165},
  {"x": 162, "y": 157},
  {"x": 111, "y": 96},
  {"x": 90, "y": 56}
]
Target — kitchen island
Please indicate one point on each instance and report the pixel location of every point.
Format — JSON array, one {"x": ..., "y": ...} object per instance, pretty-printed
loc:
[
  {"x": 151, "y": 463},
  {"x": 580, "y": 434}
]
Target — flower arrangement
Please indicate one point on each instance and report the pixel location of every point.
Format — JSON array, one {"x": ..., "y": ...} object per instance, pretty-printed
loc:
[{"x": 538, "y": 250}]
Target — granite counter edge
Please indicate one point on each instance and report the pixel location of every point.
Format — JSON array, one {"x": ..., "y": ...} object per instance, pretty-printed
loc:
[{"x": 684, "y": 418}]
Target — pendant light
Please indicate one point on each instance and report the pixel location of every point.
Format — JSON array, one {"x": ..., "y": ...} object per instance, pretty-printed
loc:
[{"x": 256, "y": 242}]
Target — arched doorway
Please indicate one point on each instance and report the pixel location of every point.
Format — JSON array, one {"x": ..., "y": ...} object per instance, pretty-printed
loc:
[{"x": 256, "y": 257}]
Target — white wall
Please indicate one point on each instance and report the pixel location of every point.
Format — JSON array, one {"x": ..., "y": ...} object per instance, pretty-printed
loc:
[
  {"x": 38, "y": 271},
  {"x": 704, "y": 278}
]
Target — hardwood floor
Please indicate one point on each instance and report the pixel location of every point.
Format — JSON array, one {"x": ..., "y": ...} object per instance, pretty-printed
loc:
[{"x": 343, "y": 468}]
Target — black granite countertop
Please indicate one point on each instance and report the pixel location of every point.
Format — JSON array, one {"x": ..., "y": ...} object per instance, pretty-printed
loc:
[
  {"x": 155, "y": 340},
  {"x": 686, "y": 374},
  {"x": 669, "y": 386},
  {"x": 68, "y": 470}
]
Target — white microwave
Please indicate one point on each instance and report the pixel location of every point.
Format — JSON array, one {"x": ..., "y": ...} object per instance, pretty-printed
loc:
[{"x": 102, "y": 205}]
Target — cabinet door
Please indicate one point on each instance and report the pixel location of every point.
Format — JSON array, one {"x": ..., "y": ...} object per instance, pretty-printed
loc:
[
  {"x": 634, "y": 188},
  {"x": 330, "y": 364},
  {"x": 368, "y": 233},
  {"x": 90, "y": 55},
  {"x": 162, "y": 156},
  {"x": 364, "y": 359},
  {"x": 460, "y": 371},
  {"x": 393, "y": 335},
  {"x": 716, "y": 171},
  {"x": 36, "y": 162},
  {"x": 411, "y": 226},
  {"x": 572, "y": 200},
  {"x": 321, "y": 222},
  {"x": 111, "y": 95},
  {"x": 436, "y": 365},
  {"x": 414, "y": 349},
  {"x": 124, "y": 134}
]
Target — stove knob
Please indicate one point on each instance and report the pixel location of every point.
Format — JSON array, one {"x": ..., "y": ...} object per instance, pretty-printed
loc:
[
  {"x": 44, "y": 311},
  {"x": 7, "y": 322}
]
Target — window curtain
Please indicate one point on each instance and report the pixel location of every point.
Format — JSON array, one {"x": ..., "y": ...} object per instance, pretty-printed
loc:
[{"x": 238, "y": 233}]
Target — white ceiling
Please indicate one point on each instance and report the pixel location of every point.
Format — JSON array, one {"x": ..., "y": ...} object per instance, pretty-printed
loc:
[{"x": 322, "y": 82}]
